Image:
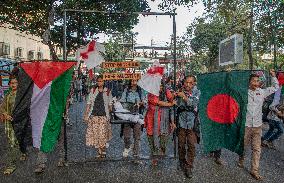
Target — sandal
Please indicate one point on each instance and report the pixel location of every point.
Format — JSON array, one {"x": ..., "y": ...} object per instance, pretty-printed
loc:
[
  {"x": 256, "y": 176},
  {"x": 155, "y": 162},
  {"x": 61, "y": 163},
  {"x": 9, "y": 170},
  {"x": 40, "y": 169},
  {"x": 23, "y": 157}
]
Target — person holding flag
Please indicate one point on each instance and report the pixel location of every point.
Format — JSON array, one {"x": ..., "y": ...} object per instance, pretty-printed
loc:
[
  {"x": 188, "y": 99},
  {"x": 253, "y": 125},
  {"x": 6, "y": 110}
]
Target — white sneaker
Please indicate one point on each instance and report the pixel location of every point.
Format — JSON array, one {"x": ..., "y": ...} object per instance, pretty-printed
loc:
[{"x": 125, "y": 153}]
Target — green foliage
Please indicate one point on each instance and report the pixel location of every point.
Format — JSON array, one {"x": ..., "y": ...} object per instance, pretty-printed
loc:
[
  {"x": 170, "y": 5},
  {"x": 227, "y": 17},
  {"x": 204, "y": 38},
  {"x": 32, "y": 17},
  {"x": 269, "y": 25}
]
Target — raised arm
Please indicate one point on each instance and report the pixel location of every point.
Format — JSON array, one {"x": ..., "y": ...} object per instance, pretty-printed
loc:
[{"x": 274, "y": 86}]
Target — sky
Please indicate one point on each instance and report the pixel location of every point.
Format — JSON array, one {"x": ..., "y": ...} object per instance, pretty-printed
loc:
[{"x": 159, "y": 28}]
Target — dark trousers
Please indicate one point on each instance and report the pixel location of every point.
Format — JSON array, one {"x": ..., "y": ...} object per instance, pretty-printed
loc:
[
  {"x": 186, "y": 138},
  {"x": 136, "y": 135},
  {"x": 274, "y": 132}
]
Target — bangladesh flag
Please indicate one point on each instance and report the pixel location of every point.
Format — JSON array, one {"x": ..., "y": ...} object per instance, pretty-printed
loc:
[
  {"x": 41, "y": 100},
  {"x": 222, "y": 107}
]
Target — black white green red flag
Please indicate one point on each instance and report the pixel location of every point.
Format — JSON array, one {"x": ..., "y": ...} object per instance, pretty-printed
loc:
[{"x": 41, "y": 100}]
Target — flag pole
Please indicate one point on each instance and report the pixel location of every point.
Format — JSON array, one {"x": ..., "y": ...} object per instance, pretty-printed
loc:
[
  {"x": 175, "y": 65},
  {"x": 64, "y": 59}
]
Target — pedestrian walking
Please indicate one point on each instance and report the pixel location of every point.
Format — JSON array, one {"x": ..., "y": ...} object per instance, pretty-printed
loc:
[
  {"x": 188, "y": 99},
  {"x": 97, "y": 118},
  {"x": 253, "y": 129},
  {"x": 159, "y": 121}
]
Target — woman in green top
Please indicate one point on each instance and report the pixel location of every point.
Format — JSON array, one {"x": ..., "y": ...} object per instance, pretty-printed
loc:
[{"x": 6, "y": 110}]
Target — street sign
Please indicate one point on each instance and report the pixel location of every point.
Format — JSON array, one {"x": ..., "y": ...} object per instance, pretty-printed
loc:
[
  {"x": 121, "y": 76},
  {"x": 127, "y": 64}
]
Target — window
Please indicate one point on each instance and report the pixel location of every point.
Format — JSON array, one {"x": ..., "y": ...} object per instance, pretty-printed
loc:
[
  {"x": 19, "y": 52},
  {"x": 31, "y": 55},
  {"x": 4, "y": 49},
  {"x": 39, "y": 55}
]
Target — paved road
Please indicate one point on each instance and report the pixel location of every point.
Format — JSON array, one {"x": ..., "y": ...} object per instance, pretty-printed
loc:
[{"x": 83, "y": 167}]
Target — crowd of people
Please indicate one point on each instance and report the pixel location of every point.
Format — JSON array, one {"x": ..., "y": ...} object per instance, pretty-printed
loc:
[{"x": 160, "y": 120}]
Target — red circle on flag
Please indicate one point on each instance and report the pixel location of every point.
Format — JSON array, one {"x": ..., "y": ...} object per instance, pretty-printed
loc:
[{"x": 223, "y": 109}]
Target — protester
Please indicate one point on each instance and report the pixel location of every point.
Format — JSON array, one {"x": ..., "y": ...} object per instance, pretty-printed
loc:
[
  {"x": 6, "y": 109},
  {"x": 186, "y": 115},
  {"x": 132, "y": 100},
  {"x": 78, "y": 89},
  {"x": 275, "y": 126},
  {"x": 97, "y": 118},
  {"x": 1, "y": 91},
  {"x": 159, "y": 121},
  {"x": 253, "y": 124}
]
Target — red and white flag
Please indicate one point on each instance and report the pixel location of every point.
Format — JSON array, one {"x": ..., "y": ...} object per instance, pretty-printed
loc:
[
  {"x": 91, "y": 54},
  {"x": 151, "y": 80}
]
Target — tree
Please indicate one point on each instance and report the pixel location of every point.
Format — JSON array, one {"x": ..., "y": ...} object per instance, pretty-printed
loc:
[
  {"x": 261, "y": 22},
  {"x": 170, "y": 5},
  {"x": 32, "y": 17},
  {"x": 204, "y": 38}
]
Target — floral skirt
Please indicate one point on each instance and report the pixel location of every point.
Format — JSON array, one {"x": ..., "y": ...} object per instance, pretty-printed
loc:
[{"x": 98, "y": 132}]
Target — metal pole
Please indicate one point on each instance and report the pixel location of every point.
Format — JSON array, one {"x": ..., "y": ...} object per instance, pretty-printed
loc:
[
  {"x": 64, "y": 38},
  {"x": 175, "y": 87},
  {"x": 65, "y": 58},
  {"x": 119, "y": 12}
]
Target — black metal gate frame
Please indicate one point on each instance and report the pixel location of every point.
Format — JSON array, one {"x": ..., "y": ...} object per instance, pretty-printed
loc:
[{"x": 125, "y": 13}]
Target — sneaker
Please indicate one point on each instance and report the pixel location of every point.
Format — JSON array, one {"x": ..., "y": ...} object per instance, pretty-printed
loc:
[
  {"x": 39, "y": 169},
  {"x": 125, "y": 153}
]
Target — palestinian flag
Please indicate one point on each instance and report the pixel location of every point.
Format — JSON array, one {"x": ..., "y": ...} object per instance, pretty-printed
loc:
[
  {"x": 222, "y": 107},
  {"x": 41, "y": 100}
]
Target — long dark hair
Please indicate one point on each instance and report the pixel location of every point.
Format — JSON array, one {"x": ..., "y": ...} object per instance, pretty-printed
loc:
[
  {"x": 12, "y": 77},
  {"x": 99, "y": 77},
  {"x": 162, "y": 95}
]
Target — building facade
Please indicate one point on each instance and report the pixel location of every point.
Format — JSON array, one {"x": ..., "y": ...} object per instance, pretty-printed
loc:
[{"x": 17, "y": 45}]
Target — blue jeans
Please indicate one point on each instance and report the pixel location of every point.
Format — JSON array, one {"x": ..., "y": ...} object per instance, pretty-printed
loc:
[{"x": 274, "y": 132}]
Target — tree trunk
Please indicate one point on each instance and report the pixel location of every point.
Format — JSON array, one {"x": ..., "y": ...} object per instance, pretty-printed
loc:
[{"x": 250, "y": 39}]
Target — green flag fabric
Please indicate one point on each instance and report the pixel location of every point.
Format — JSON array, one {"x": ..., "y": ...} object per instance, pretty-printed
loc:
[{"x": 222, "y": 109}]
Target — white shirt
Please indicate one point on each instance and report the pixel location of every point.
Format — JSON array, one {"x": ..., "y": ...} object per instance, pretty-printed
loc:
[{"x": 255, "y": 102}]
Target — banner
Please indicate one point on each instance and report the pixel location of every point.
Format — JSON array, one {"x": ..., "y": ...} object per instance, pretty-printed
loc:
[
  {"x": 127, "y": 64},
  {"x": 121, "y": 76}
]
